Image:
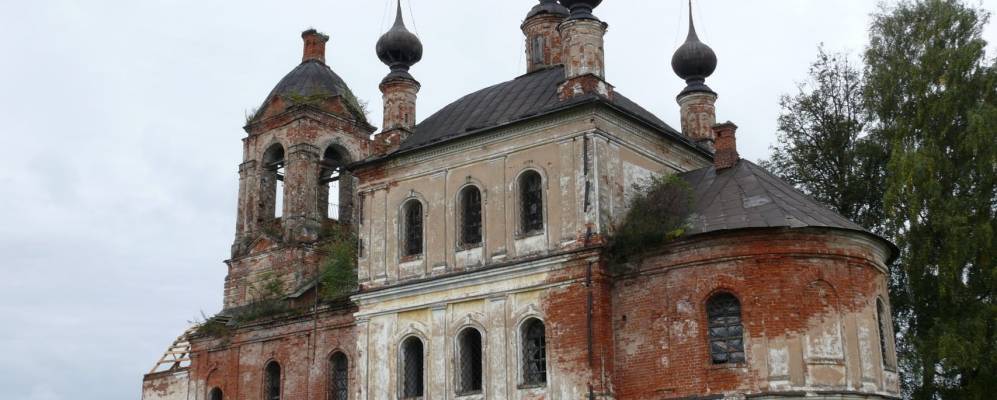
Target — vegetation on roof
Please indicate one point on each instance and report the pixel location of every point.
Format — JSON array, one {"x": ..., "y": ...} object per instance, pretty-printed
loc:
[{"x": 658, "y": 213}]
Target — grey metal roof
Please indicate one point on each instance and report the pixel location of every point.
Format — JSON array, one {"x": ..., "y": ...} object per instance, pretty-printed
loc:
[
  {"x": 527, "y": 96},
  {"x": 313, "y": 78},
  {"x": 748, "y": 196}
]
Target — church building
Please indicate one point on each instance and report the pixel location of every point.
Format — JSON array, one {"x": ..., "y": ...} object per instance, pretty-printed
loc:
[{"x": 462, "y": 256}]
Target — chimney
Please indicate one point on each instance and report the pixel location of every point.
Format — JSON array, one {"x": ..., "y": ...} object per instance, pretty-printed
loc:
[
  {"x": 314, "y": 46},
  {"x": 582, "y": 38},
  {"x": 726, "y": 146},
  {"x": 543, "y": 42}
]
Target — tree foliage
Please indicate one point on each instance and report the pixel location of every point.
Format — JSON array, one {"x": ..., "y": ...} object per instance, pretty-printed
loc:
[
  {"x": 338, "y": 277},
  {"x": 932, "y": 99},
  {"x": 824, "y": 149},
  {"x": 658, "y": 212}
]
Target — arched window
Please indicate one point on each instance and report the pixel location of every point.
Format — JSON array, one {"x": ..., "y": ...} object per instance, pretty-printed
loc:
[
  {"x": 470, "y": 217},
  {"x": 216, "y": 394},
  {"x": 884, "y": 333},
  {"x": 412, "y": 368},
  {"x": 335, "y": 185},
  {"x": 339, "y": 377},
  {"x": 412, "y": 228},
  {"x": 271, "y": 383},
  {"x": 469, "y": 362},
  {"x": 272, "y": 182},
  {"x": 531, "y": 203},
  {"x": 726, "y": 332},
  {"x": 534, "y": 353}
]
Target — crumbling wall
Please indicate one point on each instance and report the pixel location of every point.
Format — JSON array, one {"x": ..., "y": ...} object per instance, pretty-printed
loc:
[{"x": 168, "y": 385}]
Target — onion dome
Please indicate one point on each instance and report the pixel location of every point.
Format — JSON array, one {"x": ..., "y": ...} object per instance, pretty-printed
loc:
[
  {"x": 581, "y": 9},
  {"x": 694, "y": 61},
  {"x": 548, "y": 7},
  {"x": 398, "y": 48}
]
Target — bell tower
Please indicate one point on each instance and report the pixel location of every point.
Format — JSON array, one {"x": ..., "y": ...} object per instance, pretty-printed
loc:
[{"x": 293, "y": 181}]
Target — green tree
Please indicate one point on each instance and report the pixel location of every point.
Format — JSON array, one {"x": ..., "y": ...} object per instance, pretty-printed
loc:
[
  {"x": 930, "y": 90},
  {"x": 823, "y": 147}
]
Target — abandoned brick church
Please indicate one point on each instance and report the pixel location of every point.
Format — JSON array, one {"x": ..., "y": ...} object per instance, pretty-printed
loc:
[{"x": 479, "y": 235}]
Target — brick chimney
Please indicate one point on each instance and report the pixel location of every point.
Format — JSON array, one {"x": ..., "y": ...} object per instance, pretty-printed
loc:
[
  {"x": 582, "y": 39},
  {"x": 726, "y": 146},
  {"x": 314, "y": 46}
]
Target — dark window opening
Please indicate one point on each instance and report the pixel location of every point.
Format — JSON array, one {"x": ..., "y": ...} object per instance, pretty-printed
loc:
[
  {"x": 884, "y": 329},
  {"x": 470, "y": 362},
  {"x": 531, "y": 203},
  {"x": 216, "y": 394},
  {"x": 271, "y": 385},
  {"x": 534, "y": 353},
  {"x": 538, "y": 50},
  {"x": 339, "y": 377},
  {"x": 413, "y": 228},
  {"x": 726, "y": 332},
  {"x": 335, "y": 186},
  {"x": 272, "y": 180},
  {"x": 412, "y": 368},
  {"x": 470, "y": 232}
]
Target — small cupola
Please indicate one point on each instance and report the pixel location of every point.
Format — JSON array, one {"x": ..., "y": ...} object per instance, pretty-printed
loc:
[
  {"x": 694, "y": 61},
  {"x": 543, "y": 42},
  {"x": 581, "y": 9},
  {"x": 398, "y": 48}
]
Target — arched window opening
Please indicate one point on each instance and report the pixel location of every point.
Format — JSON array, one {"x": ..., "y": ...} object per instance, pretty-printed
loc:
[
  {"x": 884, "y": 334},
  {"x": 339, "y": 377},
  {"x": 531, "y": 203},
  {"x": 272, "y": 180},
  {"x": 413, "y": 228},
  {"x": 412, "y": 368},
  {"x": 470, "y": 217},
  {"x": 726, "y": 332},
  {"x": 469, "y": 362},
  {"x": 538, "y": 50},
  {"x": 335, "y": 186},
  {"x": 271, "y": 385},
  {"x": 534, "y": 353},
  {"x": 216, "y": 394}
]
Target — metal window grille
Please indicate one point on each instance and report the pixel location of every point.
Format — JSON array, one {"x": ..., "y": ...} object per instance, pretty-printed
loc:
[
  {"x": 534, "y": 354},
  {"x": 413, "y": 368},
  {"x": 726, "y": 331},
  {"x": 471, "y": 217},
  {"x": 216, "y": 394},
  {"x": 531, "y": 194},
  {"x": 272, "y": 383},
  {"x": 413, "y": 228},
  {"x": 470, "y": 362},
  {"x": 339, "y": 378}
]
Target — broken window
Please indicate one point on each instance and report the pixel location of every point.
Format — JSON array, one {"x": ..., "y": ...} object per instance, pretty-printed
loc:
[
  {"x": 412, "y": 368},
  {"x": 271, "y": 385},
  {"x": 339, "y": 377},
  {"x": 413, "y": 228},
  {"x": 531, "y": 203},
  {"x": 335, "y": 185},
  {"x": 884, "y": 334},
  {"x": 726, "y": 332},
  {"x": 469, "y": 362},
  {"x": 534, "y": 353},
  {"x": 272, "y": 181},
  {"x": 216, "y": 394},
  {"x": 470, "y": 217}
]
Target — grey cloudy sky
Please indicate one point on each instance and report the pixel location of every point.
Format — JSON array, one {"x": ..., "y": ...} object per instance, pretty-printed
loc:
[{"x": 122, "y": 126}]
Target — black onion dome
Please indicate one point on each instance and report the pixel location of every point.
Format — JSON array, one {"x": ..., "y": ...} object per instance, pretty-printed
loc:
[
  {"x": 581, "y": 9},
  {"x": 398, "y": 48},
  {"x": 548, "y": 7},
  {"x": 694, "y": 61}
]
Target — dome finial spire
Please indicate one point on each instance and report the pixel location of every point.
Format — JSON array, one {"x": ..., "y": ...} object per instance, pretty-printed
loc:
[
  {"x": 694, "y": 61},
  {"x": 398, "y": 14},
  {"x": 398, "y": 48},
  {"x": 692, "y": 26}
]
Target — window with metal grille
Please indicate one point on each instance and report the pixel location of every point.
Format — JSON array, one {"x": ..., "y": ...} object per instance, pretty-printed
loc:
[
  {"x": 412, "y": 368},
  {"x": 339, "y": 377},
  {"x": 216, "y": 394},
  {"x": 531, "y": 202},
  {"x": 726, "y": 332},
  {"x": 470, "y": 368},
  {"x": 413, "y": 228},
  {"x": 271, "y": 385},
  {"x": 470, "y": 217},
  {"x": 534, "y": 353},
  {"x": 884, "y": 333}
]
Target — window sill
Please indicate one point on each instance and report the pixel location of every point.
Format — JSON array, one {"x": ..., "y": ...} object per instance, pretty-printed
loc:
[
  {"x": 728, "y": 366},
  {"x": 524, "y": 386},
  {"x": 412, "y": 258},
  {"x": 528, "y": 235}
]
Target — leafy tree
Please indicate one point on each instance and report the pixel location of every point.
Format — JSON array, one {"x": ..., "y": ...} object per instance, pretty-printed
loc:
[
  {"x": 823, "y": 147},
  {"x": 931, "y": 95}
]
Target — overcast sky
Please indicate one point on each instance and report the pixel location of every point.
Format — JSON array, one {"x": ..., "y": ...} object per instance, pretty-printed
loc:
[{"x": 122, "y": 126}]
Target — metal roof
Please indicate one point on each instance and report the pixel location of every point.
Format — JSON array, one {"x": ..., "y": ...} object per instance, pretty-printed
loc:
[{"x": 313, "y": 78}]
